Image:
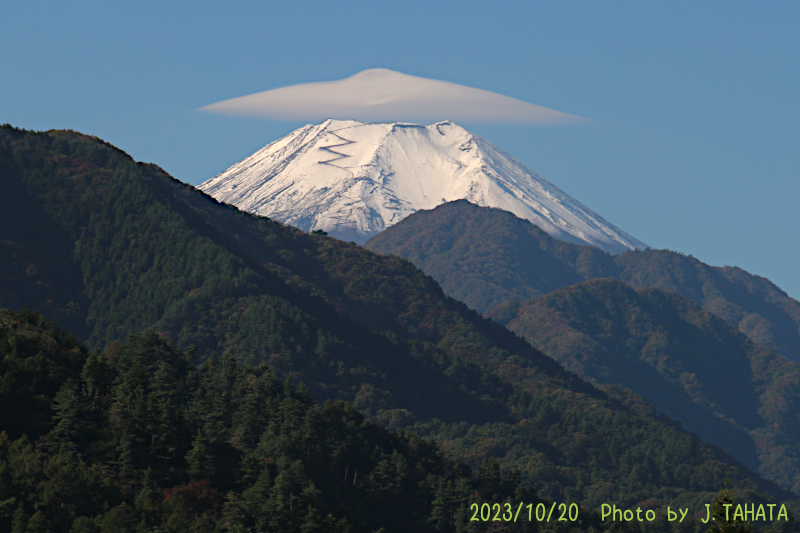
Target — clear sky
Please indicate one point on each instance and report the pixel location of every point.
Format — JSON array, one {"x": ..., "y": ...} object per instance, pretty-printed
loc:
[{"x": 694, "y": 143}]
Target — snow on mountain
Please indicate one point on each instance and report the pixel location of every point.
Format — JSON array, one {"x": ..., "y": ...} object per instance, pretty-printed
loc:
[{"x": 354, "y": 179}]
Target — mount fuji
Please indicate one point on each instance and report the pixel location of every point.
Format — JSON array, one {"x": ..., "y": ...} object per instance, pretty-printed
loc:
[{"x": 353, "y": 180}]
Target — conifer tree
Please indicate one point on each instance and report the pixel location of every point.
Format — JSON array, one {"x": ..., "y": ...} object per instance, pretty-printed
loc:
[{"x": 723, "y": 519}]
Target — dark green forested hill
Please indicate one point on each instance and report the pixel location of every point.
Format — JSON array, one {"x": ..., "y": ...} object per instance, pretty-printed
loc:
[
  {"x": 484, "y": 257},
  {"x": 114, "y": 247},
  {"x": 137, "y": 439},
  {"x": 685, "y": 361}
]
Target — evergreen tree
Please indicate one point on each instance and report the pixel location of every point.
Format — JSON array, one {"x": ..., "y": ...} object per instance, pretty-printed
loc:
[{"x": 723, "y": 517}]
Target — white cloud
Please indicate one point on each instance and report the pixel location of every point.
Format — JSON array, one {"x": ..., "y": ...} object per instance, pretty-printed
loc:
[{"x": 382, "y": 95}]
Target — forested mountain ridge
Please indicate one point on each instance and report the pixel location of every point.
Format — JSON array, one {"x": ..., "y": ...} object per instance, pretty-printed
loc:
[
  {"x": 154, "y": 252},
  {"x": 685, "y": 361},
  {"x": 138, "y": 439},
  {"x": 140, "y": 250},
  {"x": 484, "y": 257}
]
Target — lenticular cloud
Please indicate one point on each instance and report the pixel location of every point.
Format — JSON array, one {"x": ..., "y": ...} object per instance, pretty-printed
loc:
[{"x": 382, "y": 95}]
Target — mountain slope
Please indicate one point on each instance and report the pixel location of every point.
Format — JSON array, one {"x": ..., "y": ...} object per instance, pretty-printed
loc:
[
  {"x": 484, "y": 257},
  {"x": 353, "y": 180},
  {"x": 138, "y": 438},
  {"x": 687, "y": 362},
  {"x": 156, "y": 254}
]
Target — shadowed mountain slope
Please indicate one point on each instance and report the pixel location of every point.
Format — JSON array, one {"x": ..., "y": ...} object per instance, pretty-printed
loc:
[
  {"x": 685, "y": 361},
  {"x": 485, "y": 256}
]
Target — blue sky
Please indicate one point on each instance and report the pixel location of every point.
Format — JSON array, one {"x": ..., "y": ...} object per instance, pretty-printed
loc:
[{"x": 694, "y": 143}]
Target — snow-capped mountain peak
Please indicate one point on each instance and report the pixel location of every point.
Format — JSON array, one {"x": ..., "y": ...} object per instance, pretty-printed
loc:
[{"x": 354, "y": 179}]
